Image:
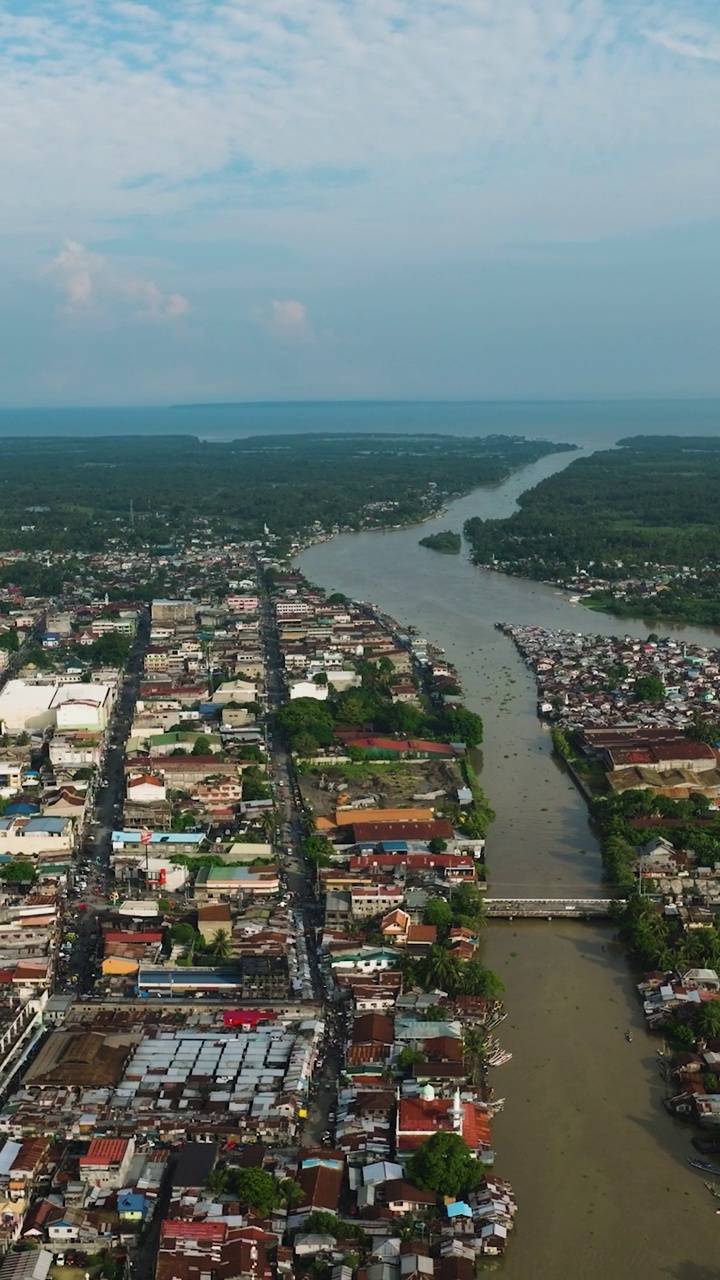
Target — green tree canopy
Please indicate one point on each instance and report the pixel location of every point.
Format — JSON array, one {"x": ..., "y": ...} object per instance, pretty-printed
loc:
[
  {"x": 111, "y": 649},
  {"x": 318, "y": 849},
  {"x": 444, "y": 1164},
  {"x": 408, "y": 1057},
  {"x": 460, "y": 725},
  {"x": 707, "y": 1019},
  {"x": 438, "y": 912},
  {"x": 257, "y": 1188},
  {"x": 306, "y": 716},
  {"x": 18, "y": 872},
  {"x": 221, "y": 944},
  {"x": 649, "y": 688},
  {"x": 183, "y": 934}
]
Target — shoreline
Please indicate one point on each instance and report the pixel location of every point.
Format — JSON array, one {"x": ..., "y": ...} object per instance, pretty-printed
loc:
[{"x": 570, "y": 989}]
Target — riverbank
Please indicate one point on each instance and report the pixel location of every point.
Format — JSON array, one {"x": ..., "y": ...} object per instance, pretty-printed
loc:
[{"x": 584, "y": 1136}]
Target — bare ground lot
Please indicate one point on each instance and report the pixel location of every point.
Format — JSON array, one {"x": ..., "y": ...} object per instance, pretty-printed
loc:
[{"x": 391, "y": 786}]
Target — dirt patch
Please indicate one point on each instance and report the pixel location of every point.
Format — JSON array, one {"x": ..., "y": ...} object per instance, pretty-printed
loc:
[{"x": 384, "y": 786}]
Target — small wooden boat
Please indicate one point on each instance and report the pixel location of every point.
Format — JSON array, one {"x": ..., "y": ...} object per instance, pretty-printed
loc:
[
  {"x": 713, "y": 1190},
  {"x": 704, "y": 1166}
]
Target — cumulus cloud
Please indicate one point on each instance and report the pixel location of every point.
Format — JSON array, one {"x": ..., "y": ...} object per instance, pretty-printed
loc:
[
  {"x": 92, "y": 282},
  {"x": 289, "y": 319}
]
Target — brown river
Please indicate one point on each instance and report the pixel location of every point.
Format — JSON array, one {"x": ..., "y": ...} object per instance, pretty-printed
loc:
[{"x": 599, "y": 1169}]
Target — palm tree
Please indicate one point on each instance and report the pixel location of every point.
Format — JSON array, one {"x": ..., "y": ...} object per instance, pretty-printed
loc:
[
  {"x": 408, "y": 968},
  {"x": 442, "y": 969},
  {"x": 267, "y": 825},
  {"x": 221, "y": 944},
  {"x": 473, "y": 1045},
  {"x": 291, "y": 1192},
  {"x": 217, "y": 1181}
]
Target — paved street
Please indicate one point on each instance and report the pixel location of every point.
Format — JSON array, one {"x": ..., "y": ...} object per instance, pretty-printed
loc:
[{"x": 79, "y": 966}]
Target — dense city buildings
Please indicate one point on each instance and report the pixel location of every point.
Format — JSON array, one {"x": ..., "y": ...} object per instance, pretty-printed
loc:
[{"x": 242, "y": 858}]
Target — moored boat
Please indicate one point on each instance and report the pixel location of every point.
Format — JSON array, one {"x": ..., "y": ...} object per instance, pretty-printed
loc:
[{"x": 704, "y": 1166}]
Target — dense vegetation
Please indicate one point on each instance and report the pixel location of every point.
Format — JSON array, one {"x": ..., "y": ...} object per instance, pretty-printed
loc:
[
  {"x": 655, "y": 940},
  {"x": 447, "y": 542},
  {"x": 309, "y": 724},
  {"x": 648, "y": 510},
  {"x": 76, "y": 494},
  {"x": 444, "y": 1164}
]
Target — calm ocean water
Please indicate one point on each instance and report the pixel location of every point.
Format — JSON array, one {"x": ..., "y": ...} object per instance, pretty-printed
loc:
[{"x": 590, "y": 423}]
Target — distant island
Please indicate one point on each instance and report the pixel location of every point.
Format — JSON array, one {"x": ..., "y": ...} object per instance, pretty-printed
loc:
[{"x": 447, "y": 542}]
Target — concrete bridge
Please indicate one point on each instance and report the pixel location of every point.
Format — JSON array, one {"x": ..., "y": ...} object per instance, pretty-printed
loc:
[{"x": 548, "y": 908}]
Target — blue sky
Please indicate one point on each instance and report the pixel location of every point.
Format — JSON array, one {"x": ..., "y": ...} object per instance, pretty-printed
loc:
[{"x": 358, "y": 198}]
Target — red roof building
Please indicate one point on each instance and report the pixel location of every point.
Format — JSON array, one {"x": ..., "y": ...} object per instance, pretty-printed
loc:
[
  {"x": 107, "y": 1161},
  {"x": 419, "y": 1118}
]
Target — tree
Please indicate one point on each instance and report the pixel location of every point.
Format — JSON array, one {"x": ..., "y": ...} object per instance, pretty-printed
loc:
[
  {"x": 291, "y": 1192},
  {"x": 649, "y": 688},
  {"x": 707, "y": 1019},
  {"x": 408, "y": 1057},
  {"x": 468, "y": 906},
  {"x": 18, "y": 873},
  {"x": 254, "y": 784},
  {"x": 318, "y": 849},
  {"x": 221, "y": 944},
  {"x": 441, "y": 969},
  {"x": 9, "y": 641},
  {"x": 409, "y": 968},
  {"x": 438, "y": 912},
  {"x": 460, "y": 725},
  {"x": 306, "y": 745},
  {"x": 306, "y": 715},
  {"x": 267, "y": 824},
  {"x": 444, "y": 1164},
  {"x": 322, "y": 1223},
  {"x": 477, "y": 980},
  {"x": 202, "y": 746},
  {"x": 111, "y": 649},
  {"x": 183, "y": 934},
  {"x": 257, "y": 1188},
  {"x": 437, "y": 845},
  {"x": 217, "y": 1181}
]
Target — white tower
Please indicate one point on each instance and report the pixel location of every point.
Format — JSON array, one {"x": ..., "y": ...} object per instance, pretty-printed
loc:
[{"x": 457, "y": 1113}]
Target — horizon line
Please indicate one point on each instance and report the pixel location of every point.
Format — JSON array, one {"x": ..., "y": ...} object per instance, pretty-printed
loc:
[{"x": 628, "y": 398}]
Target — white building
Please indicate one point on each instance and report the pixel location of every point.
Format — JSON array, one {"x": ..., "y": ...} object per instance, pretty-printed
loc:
[
  {"x": 10, "y": 777},
  {"x": 29, "y": 836},
  {"x": 27, "y": 705}
]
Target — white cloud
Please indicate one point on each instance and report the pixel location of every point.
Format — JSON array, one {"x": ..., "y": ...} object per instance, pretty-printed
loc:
[
  {"x": 289, "y": 319},
  {"x": 502, "y": 118},
  {"x": 703, "y": 45},
  {"x": 92, "y": 283}
]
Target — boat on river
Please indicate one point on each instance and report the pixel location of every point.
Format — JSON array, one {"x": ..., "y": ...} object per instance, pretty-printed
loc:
[{"x": 704, "y": 1166}]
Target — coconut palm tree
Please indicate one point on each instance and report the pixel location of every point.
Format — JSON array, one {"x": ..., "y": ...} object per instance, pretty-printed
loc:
[
  {"x": 473, "y": 1046},
  {"x": 291, "y": 1192},
  {"x": 221, "y": 944},
  {"x": 409, "y": 970},
  {"x": 441, "y": 969},
  {"x": 267, "y": 825}
]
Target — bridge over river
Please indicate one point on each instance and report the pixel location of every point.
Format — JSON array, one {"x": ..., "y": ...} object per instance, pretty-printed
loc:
[{"x": 549, "y": 908}]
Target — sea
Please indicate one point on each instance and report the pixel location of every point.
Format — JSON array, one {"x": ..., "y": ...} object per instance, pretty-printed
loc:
[{"x": 591, "y": 424}]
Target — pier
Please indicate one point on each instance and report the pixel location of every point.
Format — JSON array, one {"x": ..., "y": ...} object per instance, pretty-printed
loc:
[{"x": 549, "y": 908}]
